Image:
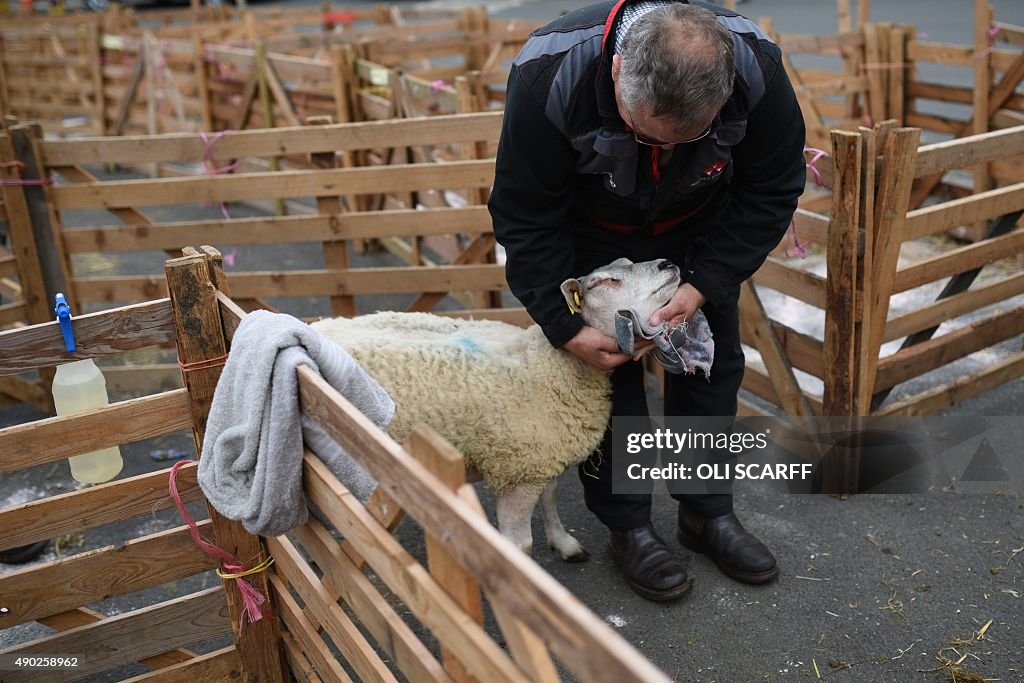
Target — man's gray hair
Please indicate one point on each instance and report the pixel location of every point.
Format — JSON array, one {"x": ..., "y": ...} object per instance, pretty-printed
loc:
[{"x": 678, "y": 63}]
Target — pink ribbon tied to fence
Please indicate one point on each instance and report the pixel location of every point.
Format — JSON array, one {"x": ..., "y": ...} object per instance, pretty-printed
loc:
[
  {"x": 209, "y": 166},
  {"x": 991, "y": 32},
  {"x": 19, "y": 182},
  {"x": 251, "y": 598},
  {"x": 798, "y": 246}
]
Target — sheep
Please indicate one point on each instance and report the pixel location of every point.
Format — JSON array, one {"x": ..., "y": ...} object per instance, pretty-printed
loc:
[{"x": 520, "y": 411}]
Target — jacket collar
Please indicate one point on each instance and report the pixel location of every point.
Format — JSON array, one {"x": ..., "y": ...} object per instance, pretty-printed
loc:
[{"x": 603, "y": 84}]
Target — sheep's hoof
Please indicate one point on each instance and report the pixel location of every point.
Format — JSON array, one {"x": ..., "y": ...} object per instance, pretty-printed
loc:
[{"x": 581, "y": 556}]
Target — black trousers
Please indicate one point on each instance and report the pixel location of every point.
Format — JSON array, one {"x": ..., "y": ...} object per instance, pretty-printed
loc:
[{"x": 685, "y": 395}]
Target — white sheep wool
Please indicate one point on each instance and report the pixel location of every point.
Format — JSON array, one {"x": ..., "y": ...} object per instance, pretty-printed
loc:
[{"x": 520, "y": 411}]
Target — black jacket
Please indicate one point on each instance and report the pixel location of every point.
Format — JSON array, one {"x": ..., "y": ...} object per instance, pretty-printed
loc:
[{"x": 568, "y": 168}]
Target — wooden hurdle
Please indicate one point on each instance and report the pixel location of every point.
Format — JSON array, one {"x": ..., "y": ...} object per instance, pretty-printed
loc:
[
  {"x": 348, "y": 624},
  {"x": 329, "y": 221}
]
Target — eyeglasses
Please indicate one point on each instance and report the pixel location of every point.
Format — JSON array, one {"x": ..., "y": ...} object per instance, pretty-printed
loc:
[{"x": 654, "y": 142}]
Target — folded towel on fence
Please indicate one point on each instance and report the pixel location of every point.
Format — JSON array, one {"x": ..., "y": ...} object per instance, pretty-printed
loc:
[
  {"x": 682, "y": 350},
  {"x": 251, "y": 464}
]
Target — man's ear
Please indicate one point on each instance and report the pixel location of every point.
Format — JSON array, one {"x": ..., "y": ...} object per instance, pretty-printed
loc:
[
  {"x": 616, "y": 67},
  {"x": 572, "y": 290}
]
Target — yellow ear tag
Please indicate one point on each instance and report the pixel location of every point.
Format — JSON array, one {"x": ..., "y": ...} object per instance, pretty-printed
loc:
[{"x": 579, "y": 304}]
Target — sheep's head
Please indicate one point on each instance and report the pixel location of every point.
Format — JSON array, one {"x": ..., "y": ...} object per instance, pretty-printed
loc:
[{"x": 644, "y": 287}]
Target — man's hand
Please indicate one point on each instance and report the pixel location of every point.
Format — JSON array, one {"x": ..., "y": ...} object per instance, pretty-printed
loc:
[
  {"x": 601, "y": 351},
  {"x": 681, "y": 307}
]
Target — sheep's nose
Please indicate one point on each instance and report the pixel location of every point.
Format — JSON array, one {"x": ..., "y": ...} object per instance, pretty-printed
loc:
[{"x": 665, "y": 264}]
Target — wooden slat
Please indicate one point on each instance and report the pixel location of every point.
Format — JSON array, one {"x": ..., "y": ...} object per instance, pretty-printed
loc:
[
  {"x": 441, "y": 458},
  {"x": 219, "y": 665},
  {"x": 324, "y": 662},
  {"x": 941, "y": 53},
  {"x": 12, "y": 313},
  {"x": 954, "y": 306},
  {"x": 281, "y": 141},
  {"x": 958, "y": 260},
  {"x": 899, "y": 150},
  {"x": 936, "y": 91},
  {"x": 94, "y": 576},
  {"x": 392, "y": 634},
  {"x": 42, "y": 441},
  {"x": 8, "y": 266},
  {"x": 122, "y": 329},
  {"x": 811, "y": 226},
  {"x": 920, "y": 358},
  {"x": 82, "y": 616},
  {"x": 756, "y": 326},
  {"x": 969, "y": 151},
  {"x": 406, "y": 577},
  {"x": 32, "y": 392},
  {"x": 300, "y": 667},
  {"x": 799, "y": 284},
  {"x": 274, "y": 185},
  {"x": 189, "y": 619},
  {"x": 1008, "y": 33},
  {"x": 112, "y": 502},
  {"x": 938, "y": 218},
  {"x": 761, "y": 385},
  {"x": 939, "y": 124},
  {"x": 587, "y": 646},
  {"x": 959, "y": 389},
  {"x": 803, "y": 351},
  {"x": 824, "y": 44},
  {"x": 320, "y": 604},
  {"x": 387, "y": 280}
]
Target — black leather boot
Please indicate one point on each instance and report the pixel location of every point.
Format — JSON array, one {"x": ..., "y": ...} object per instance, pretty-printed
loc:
[
  {"x": 649, "y": 566},
  {"x": 734, "y": 549}
]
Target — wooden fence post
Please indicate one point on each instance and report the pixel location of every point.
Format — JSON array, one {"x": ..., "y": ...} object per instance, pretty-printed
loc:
[
  {"x": 95, "y": 56},
  {"x": 34, "y": 301},
  {"x": 202, "y": 83},
  {"x": 201, "y": 338},
  {"x": 23, "y": 244},
  {"x": 449, "y": 467},
  {"x": 840, "y": 470},
  {"x": 53, "y": 264},
  {"x": 841, "y": 279},
  {"x": 335, "y": 252},
  {"x": 528, "y": 650},
  {"x": 267, "y": 107},
  {"x": 983, "y": 20},
  {"x": 894, "y": 182}
]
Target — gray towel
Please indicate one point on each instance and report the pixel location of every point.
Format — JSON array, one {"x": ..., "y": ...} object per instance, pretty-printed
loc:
[
  {"x": 682, "y": 350},
  {"x": 251, "y": 465}
]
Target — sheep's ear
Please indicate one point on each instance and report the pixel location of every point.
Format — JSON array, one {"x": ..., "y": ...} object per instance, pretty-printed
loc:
[{"x": 572, "y": 290}]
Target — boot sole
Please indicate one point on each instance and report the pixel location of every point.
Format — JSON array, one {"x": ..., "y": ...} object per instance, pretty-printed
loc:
[
  {"x": 661, "y": 596},
  {"x": 755, "y": 578}
]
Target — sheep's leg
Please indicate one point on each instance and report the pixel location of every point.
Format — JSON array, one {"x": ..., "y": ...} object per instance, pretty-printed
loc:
[
  {"x": 558, "y": 538},
  {"x": 515, "y": 511}
]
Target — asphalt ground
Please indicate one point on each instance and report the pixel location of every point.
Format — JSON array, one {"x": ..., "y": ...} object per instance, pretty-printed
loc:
[{"x": 874, "y": 588}]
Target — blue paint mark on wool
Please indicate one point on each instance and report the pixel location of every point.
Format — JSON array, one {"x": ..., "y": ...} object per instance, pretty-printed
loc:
[{"x": 469, "y": 345}]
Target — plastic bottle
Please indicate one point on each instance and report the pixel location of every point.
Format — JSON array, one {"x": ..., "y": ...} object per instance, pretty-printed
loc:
[{"x": 79, "y": 386}]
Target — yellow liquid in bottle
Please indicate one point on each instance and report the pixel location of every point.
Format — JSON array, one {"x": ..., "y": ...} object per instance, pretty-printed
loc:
[{"x": 77, "y": 387}]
